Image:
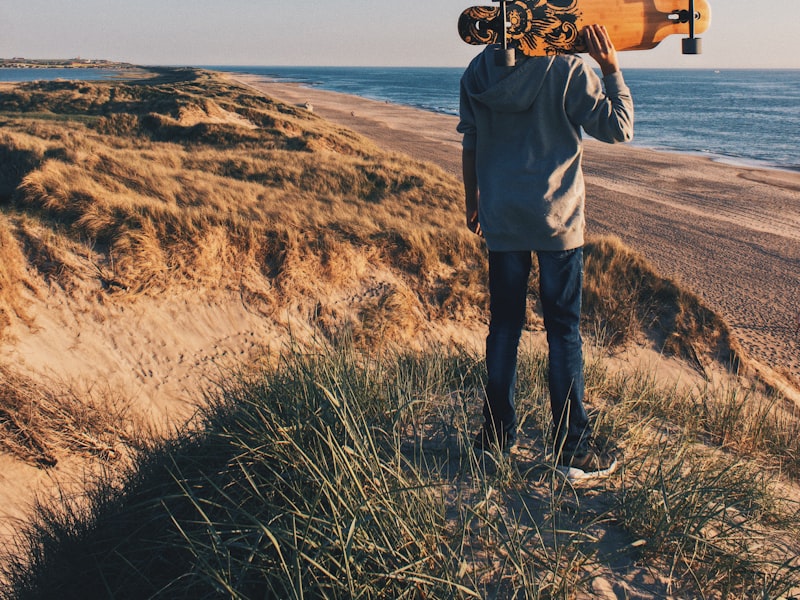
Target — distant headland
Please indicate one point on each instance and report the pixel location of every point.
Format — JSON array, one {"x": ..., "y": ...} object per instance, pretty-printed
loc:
[{"x": 61, "y": 63}]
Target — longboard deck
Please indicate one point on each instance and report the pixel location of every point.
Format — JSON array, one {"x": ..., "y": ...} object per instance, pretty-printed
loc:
[{"x": 546, "y": 27}]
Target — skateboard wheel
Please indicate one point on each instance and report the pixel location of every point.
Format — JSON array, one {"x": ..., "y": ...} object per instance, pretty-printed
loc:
[{"x": 692, "y": 45}]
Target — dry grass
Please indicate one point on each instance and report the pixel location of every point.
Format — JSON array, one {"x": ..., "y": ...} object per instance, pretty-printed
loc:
[
  {"x": 39, "y": 424},
  {"x": 343, "y": 474},
  {"x": 177, "y": 188},
  {"x": 191, "y": 180},
  {"x": 643, "y": 302},
  {"x": 123, "y": 189},
  {"x": 13, "y": 276}
]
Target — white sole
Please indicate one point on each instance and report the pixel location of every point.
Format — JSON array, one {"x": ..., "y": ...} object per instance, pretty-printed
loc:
[{"x": 574, "y": 474}]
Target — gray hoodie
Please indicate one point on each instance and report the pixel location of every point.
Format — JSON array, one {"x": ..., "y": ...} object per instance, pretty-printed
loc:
[{"x": 524, "y": 123}]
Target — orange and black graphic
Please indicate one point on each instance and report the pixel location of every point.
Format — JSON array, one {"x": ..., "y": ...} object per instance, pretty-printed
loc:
[
  {"x": 546, "y": 27},
  {"x": 535, "y": 27}
]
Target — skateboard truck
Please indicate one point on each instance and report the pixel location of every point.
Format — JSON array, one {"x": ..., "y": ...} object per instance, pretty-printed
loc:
[
  {"x": 692, "y": 44},
  {"x": 505, "y": 56}
]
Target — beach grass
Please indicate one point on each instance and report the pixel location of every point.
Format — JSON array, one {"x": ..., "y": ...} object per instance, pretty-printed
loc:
[
  {"x": 340, "y": 468},
  {"x": 344, "y": 474},
  {"x": 190, "y": 179}
]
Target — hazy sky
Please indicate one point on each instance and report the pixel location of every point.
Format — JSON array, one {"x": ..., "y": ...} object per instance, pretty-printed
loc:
[{"x": 342, "y": 32}]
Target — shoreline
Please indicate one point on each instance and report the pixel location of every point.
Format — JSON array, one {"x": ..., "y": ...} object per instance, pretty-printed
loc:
[
  {"x": 732, "y": 161},
  {"x": 740, "y": 162},
  {"x": 293, "y": 92},
  {"x": 728, "y": 233},
  {"x": 719, "y": 154}
]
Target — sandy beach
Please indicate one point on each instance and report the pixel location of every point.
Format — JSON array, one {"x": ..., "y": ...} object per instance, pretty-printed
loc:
[{"x": 729, "y": 233}]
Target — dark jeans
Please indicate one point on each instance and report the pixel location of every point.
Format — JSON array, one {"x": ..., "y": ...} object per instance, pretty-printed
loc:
[{"x": 560, "y": 285}]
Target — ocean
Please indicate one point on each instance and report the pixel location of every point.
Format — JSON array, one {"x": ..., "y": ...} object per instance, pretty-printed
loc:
[{"x": 749, "y": 117}]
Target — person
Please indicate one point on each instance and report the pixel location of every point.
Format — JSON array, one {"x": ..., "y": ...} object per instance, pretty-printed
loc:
[{"x": 524, "y": 193}]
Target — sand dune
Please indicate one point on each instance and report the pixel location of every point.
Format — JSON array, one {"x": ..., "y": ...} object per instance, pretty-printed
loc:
[{"x": 729, "y": 233}]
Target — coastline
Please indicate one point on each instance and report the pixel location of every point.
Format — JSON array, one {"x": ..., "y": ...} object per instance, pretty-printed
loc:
[
  {"x": 680, "y": 125},
  {"x": 12, "y": 74},
  {"x": 729, "y": 233},
  {"x": 739, "y": 163}
]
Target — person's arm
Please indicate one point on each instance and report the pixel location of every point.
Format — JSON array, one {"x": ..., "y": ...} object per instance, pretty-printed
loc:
[
  {"x": 606, "y": 115},
  {"x": 470, "y": 175},
  {"x": 469, "y": 168}
]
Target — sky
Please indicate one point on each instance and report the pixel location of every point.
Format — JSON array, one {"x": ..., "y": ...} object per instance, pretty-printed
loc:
[{"x": 743, "y": 33}]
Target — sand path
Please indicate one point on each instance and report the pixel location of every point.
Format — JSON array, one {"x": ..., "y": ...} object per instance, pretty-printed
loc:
[{"x": 729, "y": 233}]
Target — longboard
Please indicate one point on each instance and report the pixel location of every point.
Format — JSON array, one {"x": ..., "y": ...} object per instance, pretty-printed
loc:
[{"x": 547, "y": 27}]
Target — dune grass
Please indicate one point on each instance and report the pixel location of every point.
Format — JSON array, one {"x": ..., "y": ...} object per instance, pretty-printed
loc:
[
  {"x": 188, "y": 179},
  {"x": 340, "y": 472},
  {"x": 38, "y": 424},
  {"x": 201, "y": 182}
]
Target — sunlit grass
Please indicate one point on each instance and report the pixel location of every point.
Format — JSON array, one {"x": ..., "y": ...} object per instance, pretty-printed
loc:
[{"x": 339, "y": 474}]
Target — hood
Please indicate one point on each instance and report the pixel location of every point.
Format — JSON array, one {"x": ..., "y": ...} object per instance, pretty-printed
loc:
[{"x": 507, "y": 89}]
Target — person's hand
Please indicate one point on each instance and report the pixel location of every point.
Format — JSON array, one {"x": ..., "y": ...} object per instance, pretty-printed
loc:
[
  {"x": 472, "y": 222},
  {"x": 601, "y": 48}
]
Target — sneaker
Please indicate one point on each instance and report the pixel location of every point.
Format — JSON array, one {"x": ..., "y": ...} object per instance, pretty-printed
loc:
[
  {"x": 486, "y": 441},
  {"x": 589, "y": 466}
]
